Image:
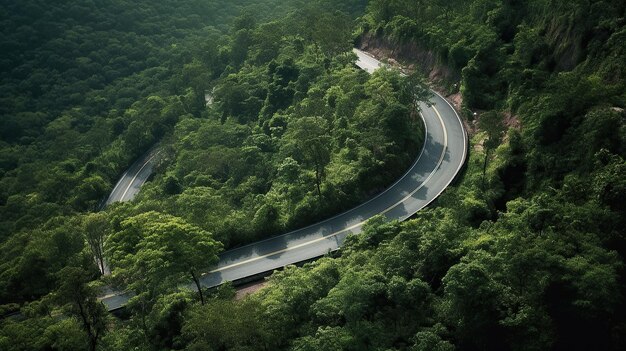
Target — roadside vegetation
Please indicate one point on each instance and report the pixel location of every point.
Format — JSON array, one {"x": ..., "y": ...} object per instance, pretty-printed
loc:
[{"x": 525, "y": 252}]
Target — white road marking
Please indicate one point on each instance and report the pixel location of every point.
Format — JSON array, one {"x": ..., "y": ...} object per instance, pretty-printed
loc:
[
  {"x": 441, "y": 157},
  {"x": 136, "y": 175},
  {"x": 362, "y": 222}
]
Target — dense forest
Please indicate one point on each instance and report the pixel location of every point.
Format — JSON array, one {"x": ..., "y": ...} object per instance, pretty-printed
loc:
[{"x": 265, "y": 125}]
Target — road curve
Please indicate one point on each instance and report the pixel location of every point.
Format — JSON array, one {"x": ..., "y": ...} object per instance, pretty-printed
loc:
[
  {"x": 131, "y": 181},
  {"x": 441, "y": 159}
]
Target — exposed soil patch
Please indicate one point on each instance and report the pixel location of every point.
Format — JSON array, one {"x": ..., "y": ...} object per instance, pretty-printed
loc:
[
  {"x": 511, "y": 121},
  {"x": 456, "y": 100},
  {"x": 413, "y": 57},
  {"x": 409, "y": 58},
  {"x": 249, "y": 289}
]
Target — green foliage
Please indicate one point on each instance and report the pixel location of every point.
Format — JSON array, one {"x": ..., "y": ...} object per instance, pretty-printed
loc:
[
  {"x": 81, "y": 302},
  {"x": 42, "y": 333},
  {"x": 35, "y": 257},
  {"x": 504, "y": 49},
  {"x": 206, "y": 328},
  {"x": 154, "y": 253},
  {"x": 525, "y": 253},
  {"x": 113, "y": 79},
  {"x": 289, "y": 140}
]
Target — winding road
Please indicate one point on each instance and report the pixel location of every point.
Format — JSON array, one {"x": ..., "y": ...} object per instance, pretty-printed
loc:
[
  {"x": 441, "y": 159},
  {"x": 131, "y": 181}
]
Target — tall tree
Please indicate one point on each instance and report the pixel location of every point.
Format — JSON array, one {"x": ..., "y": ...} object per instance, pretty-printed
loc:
[
  {"x": 95, "y": 226},
  {"x": 80, "y": 300},
  {"x": 491, "y": 122},
  {"x": 310, "y": 139},
  {"x": 415, "y": 90},
  {"x": 161, "y": 252}
]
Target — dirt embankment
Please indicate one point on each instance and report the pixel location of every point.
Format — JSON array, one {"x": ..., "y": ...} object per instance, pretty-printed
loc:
[
  {"x": 249, "y": 289},
  {"x": 413, "y": 57}
]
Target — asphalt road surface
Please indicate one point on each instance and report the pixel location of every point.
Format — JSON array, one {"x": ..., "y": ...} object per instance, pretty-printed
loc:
[
  {"x": 131, "y": 181},
  {"x": 441, "y": 159}
]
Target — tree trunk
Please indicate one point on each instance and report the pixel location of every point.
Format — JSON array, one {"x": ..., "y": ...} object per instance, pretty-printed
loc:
[
  {"x": 197, "y": 281},
  {"x": 102, "y": 265},
  {"x": 318, "y": 180},
  {"x": 93, "y": 343},
  {"x": 144, "y": 324},
  {"x": 100, "y": 256},
  {"x": 97, "y": 249},
  {"x": 92, "y": 338}
]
